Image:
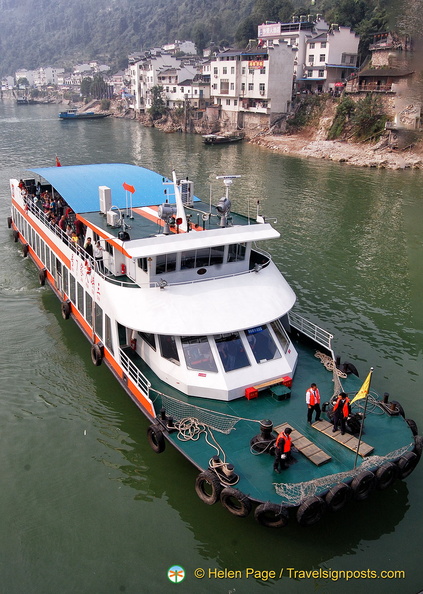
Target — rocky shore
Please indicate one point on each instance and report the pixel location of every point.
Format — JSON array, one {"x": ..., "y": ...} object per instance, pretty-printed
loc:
[{"x": 361, "y": 155}]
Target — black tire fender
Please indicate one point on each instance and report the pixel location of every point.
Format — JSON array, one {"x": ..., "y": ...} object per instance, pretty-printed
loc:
[
  {"x": 235, "y": 502},
  {"x": 66, "y": 309},
  {"x": 350, "y": 368},
  {"x": 208, "y": 487},
  {"x": 311, "y": 511},
  {"x": 407, "y": 463},
  {"x": 363, "y": 485},
  {"x": 398, "y": 407},
  {"x": 386, "y": 475},
  {"x": 25, "y": 250},
  {"x": 15, "y": 235},
  {"x": 413, "y": 426},
  {"x": 9, "y": 222},
  {"x": 272, "y": 515},
  {"x": 42, "y": 275},
  {"x": 338, "y": 496},
  {"x": 97, "y": 352},
  {"x": 418, "y": 445},
  {"x": 156, "y": 439}
]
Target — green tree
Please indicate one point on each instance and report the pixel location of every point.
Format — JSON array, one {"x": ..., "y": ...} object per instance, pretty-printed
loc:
[
  {"x": 23, "y": 82},
  {"x": 85, "y": 87},
  {"x": 369, "y": 118},
  {"x": 158, "y": 105}
]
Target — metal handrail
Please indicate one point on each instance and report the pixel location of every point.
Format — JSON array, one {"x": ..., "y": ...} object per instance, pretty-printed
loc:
[
  {"x": 311, "y": 330},
  {"x": 135, "y": 374}
]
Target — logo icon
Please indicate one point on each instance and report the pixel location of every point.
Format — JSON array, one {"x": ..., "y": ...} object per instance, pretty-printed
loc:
[{"x": 176, "y": 574}]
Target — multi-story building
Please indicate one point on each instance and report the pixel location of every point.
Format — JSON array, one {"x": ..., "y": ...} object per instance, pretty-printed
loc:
[
  {"x": 253, "y": 87},
  {"x": 331, "y": 57}
]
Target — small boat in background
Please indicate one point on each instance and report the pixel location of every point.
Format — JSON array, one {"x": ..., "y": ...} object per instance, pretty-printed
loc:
[
  {"x": 74, "y": 114},
  {"x": 221, "y": 138}
]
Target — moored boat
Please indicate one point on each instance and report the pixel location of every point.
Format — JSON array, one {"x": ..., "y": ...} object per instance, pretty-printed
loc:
[
  {"x": 221, "y": 138},
  {"x": 197, "y": 324},
  {"x": 74, "y": 114}
]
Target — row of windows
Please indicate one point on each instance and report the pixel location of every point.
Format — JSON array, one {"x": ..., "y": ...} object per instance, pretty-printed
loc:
[
  {"x": 322, "y": 45},
  {"x": 65, "y": 281},
  {"x": 200, "y": 258},
  {"x": 231, "y": 348},
  {"x": 322, "y": 58},
  {"x": 243, "y": 70}
]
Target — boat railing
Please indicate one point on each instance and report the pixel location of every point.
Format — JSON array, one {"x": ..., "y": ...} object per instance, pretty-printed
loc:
[
  {"x": 312, "y": 331},
  {"x": 135, "y": 374}
]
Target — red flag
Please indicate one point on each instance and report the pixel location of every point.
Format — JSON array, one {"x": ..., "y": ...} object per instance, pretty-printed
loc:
[
  {"x": 58, "y": 163},
  {"x": 128, "y": 187}
]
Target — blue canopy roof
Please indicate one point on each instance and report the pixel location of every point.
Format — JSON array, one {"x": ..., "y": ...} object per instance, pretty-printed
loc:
[{"x": 78, "y": 185}]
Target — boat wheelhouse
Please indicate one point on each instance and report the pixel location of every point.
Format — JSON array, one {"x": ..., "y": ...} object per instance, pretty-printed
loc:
[{"x": 195, "y": 321}]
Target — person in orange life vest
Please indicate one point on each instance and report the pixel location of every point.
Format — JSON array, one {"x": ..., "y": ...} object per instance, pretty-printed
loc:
[
  {"x": 282, "y": 450},
  {"x": 341, "y": 410},
  {"x": 313, "y": 402}
]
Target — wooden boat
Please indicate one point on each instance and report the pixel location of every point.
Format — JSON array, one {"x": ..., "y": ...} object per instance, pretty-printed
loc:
[
  {"x": 197, "y": 324},
  {"x": 222, "y": 138}
]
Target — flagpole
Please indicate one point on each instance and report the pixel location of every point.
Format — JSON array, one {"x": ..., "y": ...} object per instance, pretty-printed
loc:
[{"x": 364, "y": 416}]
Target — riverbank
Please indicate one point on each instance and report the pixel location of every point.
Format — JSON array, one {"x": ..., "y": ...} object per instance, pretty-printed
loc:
[{"x": 361, "y": 155}]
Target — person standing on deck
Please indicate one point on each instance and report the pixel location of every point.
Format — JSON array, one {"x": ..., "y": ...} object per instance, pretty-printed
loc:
[
  {"x": 282, "y": 450},
  {"x": 341, "y": 412},
  {"x": 313, "y": 403}
]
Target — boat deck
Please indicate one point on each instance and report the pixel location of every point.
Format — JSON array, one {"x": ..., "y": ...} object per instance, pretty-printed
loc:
[{"x": 256, "y": 476}]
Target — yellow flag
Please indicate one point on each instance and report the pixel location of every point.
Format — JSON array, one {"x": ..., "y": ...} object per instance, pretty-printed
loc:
[{"x": 364, "y": 390}]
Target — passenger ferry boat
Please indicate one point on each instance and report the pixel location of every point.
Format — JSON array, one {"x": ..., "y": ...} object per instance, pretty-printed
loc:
[{"x": 196, "y": 323}]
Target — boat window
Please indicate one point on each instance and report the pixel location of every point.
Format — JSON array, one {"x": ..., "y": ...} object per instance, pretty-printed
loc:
[
  {"x": 236, "y": 252},
  {"x": 142, "y": 263},
  {"x": 149, "y": 339},
  {"x": 72, "y": 291},
  {"x": 80, "y": 291},
  {"x": 231, "y": 351},
  {"x": 262, "y": 344},
  {"x": 188, "y": 259},
  {"x": 198, "y": 353},
  {"x": 98, "y": 321},
  {"x": 88, "y": 308},
  {"x": 108, "y": 332},
  {"x": 202, "y": 257},
  {"x": 165, "y": 263},
  {"x": 168, "y": 348},
  {"x": 282, "y": 336}
]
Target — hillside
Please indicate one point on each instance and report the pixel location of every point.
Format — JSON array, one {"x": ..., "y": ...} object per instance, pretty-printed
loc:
[{"x": 36, "y": 33}]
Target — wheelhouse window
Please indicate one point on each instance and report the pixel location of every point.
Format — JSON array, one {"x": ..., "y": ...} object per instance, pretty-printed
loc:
[
  {"x": 168, "y": 348},
  {"x": 281, "y": 335},
  {"x": 149, "y": 339},
  {"x": 236, "y": 252},
  {"x": 231, "y": 351},
  {"x": 165, "y": 263},
  {"x": 262, "y": 344},
  {"x": 197, "y": 353}
]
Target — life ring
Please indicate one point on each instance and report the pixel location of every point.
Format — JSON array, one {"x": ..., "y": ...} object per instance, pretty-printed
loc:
[
  {"x": 413, "y": 426},
  {"x": 386, "y": 475},
  {"x": 271, "y": 515},
  {"x": 156, "y": 439},
  {"x": 42, "y": 275},
  {"x": 25, "y": 250},
  {"x": 407, "y": 463},
  {"x": 338, "y": 496},
  {"x": 15, "y": 235},
  {"x": 363, "y": 484},
  {"x": 418, "y": 446},
  {"x": 398, "y": 407},
  {"x": 9, "y": 222},
  {"x": 97, "y": 353},
  {"x": 66, "y": 309},
  {"x": 208, "y": 487},
  {"x": 235, "y": 502},
  {"x": 311, "y": 511}
]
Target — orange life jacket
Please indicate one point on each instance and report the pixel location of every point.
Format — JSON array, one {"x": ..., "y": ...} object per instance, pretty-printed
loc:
[
  {"x": 314, "y": 396},
  {"x": 287, "y": 441},
  {"x": 345, "y": 408}
]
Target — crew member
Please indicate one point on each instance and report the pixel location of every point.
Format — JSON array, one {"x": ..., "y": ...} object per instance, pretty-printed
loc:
[
  {"x": 313, "y": 402},
  {"x": 282, "y": 450},
  {"x": 341, "y": 410}
]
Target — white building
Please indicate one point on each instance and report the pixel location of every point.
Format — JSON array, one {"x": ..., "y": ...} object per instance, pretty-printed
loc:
[
  {"x": 255, "y": 86},
  {"x": 185, "y": 47},
  {"x": 47, "y": 76},
  {"x": 330, "y": 58}
]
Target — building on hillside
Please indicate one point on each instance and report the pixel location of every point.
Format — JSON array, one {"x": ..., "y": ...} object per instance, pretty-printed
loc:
[
  {"x": 295, "y": 34},
  {"x": 253, "y": 87},
  {"x": 183, "y": 47},
  {"x": 28, "y": 74},
  {"x": 47, "y": 76},
  {"x": 331, "y": 57}
]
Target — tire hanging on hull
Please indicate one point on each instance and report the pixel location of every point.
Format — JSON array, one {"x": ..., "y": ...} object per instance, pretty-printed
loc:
[
  {"x": 208, "y": 487},
  {"x": 271, "y": 515},
  {"x": 235, "y": 502},
  {"x": 156, "y": 439}
]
